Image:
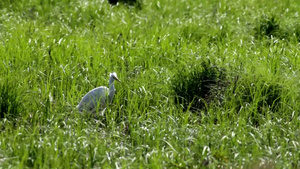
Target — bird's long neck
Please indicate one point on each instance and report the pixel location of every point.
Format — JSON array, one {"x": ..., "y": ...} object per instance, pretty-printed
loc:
[{"x": 111, "y": 89}]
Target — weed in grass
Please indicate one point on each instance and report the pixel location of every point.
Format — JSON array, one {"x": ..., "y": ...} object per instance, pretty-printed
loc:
[{"x": 198, "y": 85}]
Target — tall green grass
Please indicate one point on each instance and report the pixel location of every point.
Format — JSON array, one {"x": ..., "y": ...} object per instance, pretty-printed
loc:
[{"x": 53, "y": 52}]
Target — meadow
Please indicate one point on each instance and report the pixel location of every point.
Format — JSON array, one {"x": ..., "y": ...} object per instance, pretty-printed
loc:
[{"x": 204, "y": 83}]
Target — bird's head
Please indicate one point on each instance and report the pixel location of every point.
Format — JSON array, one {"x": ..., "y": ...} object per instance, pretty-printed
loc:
[{"x": 114, "y": 76}]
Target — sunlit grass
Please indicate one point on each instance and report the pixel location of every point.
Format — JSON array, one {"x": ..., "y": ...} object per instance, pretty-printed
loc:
[{"x": 53, "y": 52}]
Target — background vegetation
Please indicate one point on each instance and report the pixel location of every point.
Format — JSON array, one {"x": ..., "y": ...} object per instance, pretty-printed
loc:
[{"x": 205, "y": 84}]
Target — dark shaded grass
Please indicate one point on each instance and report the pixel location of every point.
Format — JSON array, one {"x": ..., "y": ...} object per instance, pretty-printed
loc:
[
  {"x": 258, "y": 96},
  {"x": 10, "y": 100},
  {"x": 271, "y": 26},
  {"x": 136, "y": 3},
  {"x": 268, "y": 26},
  {"x": 198, "y": 85},
  {"x": 207, "y": 86}
]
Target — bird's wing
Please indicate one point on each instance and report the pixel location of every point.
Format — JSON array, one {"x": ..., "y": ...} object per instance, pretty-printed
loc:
[{"x": 90, "y": 100}]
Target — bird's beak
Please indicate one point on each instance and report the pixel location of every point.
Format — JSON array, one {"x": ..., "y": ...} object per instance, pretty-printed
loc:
[{"x": 117, "y": 79}]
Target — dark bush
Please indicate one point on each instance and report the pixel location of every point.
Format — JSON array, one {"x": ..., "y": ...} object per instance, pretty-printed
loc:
[
  {"x": 10, "y": 102},
  {"x": 198, "y": 85}
]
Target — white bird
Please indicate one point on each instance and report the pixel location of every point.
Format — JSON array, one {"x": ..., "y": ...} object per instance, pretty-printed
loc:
[{"x": 96, "y": 99}]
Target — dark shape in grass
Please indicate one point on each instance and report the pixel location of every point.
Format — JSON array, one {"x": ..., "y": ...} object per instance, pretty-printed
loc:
[
  {"x": 10, "y": 102},
  {"x": 268, "y": 26},
  {"x": 113, "y": 2},
  {"x": 128, "y": 2},
  {"x": 196, "y": 88}
]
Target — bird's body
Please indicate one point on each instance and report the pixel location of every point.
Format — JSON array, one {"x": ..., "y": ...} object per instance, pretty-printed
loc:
[{"x": 96, "y": 99}]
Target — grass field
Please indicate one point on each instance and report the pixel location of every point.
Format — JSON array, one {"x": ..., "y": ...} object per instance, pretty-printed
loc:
[{"x": 205, "y": 84}]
